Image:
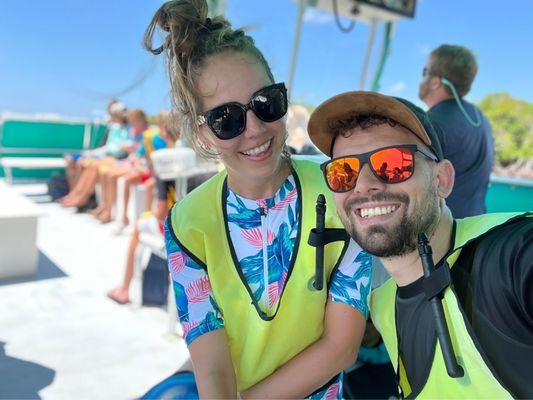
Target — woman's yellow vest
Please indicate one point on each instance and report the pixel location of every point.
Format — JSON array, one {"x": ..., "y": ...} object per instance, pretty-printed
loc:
[
  {"x": 260, "y": 344},
  {"x": 478, "y": 381}
]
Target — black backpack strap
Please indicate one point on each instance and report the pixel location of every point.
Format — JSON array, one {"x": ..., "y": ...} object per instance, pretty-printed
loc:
[{"x": 329, "y": 235}]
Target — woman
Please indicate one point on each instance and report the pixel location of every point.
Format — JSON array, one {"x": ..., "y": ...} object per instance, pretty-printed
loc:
[{"x": 237, "y": 245}]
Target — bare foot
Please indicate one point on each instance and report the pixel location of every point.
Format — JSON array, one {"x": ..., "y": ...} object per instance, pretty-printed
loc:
[
  {"x": 97, "y": 211},
  {"x": 104, "y": 217},
  {"x": 119, "y": 294}
]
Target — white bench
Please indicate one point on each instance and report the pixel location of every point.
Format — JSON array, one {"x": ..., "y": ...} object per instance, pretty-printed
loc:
[
  {"x": 18, "y": 234},
  {"x": 8, "y": 163}
]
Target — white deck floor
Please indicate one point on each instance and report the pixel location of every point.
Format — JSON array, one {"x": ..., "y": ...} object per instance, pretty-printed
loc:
[{"x": 85, "y": 346}]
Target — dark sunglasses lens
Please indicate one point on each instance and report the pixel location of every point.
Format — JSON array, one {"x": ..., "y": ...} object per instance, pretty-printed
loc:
[
  {"x": 341, "y": 174},
  {"x": 393, "y": 165},
  {"x": 270, "y": 104},
  {"x": 227, "y": 121}
]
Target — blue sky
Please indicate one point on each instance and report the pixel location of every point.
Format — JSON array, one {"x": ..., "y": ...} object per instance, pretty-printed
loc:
[{"x": 69, "y": 56}]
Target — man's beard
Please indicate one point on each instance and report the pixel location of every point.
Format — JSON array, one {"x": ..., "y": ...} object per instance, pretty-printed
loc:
[
  {"x": 423, "y": 91},
  {"x": 401, "y": 238}
]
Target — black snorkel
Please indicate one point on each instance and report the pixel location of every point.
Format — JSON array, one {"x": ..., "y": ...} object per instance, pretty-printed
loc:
[
  {"x": 318, "y": 284},
  {"x": 436, "y": 280},
  {"x": 319, "y": 237}
]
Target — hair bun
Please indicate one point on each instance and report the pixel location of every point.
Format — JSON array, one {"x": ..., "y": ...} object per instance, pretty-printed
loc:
[{"x": 182, "y": 20}]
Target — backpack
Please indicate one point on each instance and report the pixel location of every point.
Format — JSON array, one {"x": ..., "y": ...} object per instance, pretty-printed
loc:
[{"x": 155, "y": 282}]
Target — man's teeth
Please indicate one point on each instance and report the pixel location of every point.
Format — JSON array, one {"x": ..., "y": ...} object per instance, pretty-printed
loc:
[
  {"x": 374, "y": 212},
  {"x": 258, "y": 150}
]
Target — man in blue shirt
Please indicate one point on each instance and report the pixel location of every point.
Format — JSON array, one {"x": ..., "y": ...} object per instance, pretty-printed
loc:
[{"x": 464, "y": 132}]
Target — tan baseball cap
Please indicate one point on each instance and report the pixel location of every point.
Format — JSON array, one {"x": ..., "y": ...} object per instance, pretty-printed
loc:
[{"x": 322, "y": 121}]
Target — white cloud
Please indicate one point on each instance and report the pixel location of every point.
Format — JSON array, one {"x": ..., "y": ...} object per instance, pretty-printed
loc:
[
  {"x": 397, "y": 89},
  {"x": 315, "y": 15}
]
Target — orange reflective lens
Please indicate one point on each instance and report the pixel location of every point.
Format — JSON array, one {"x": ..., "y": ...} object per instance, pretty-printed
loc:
[
  {"x": 393, "y": 165},
  {"x": 390, "y": 165},
  {"x": 342, "y": 173}
]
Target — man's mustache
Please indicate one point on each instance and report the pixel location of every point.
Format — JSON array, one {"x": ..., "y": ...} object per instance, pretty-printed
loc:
[{"x": 353, "y": 203}]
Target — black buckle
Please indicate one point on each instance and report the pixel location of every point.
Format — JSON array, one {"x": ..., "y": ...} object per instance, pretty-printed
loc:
[
  {"x": 439, "y": 279},
  {"x": 329, "y": 235}
]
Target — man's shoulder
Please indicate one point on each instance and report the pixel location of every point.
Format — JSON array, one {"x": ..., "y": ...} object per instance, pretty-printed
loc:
[
  {"x": 495, "y": 255},
  {"x": 515, "y": 230},
  {"x": 503, "y": 234}
]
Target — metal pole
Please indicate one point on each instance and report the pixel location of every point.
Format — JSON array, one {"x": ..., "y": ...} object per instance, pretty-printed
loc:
[
  {"x": 296, "y": 45},
  {"x": 368, "y": 53}
]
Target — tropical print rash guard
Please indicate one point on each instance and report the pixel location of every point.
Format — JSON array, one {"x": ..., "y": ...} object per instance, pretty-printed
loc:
[{"x": 263, "y": 234}]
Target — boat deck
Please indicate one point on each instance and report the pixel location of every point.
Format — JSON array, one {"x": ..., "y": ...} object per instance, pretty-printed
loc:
[{"x": 62, "y": 338}]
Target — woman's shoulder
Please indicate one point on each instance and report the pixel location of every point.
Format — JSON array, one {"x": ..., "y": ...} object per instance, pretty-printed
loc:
[{"x": 198, "y": 202}]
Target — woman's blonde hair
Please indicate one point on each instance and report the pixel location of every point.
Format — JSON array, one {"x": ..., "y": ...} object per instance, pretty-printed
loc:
[{"x": 191, "y": 37}]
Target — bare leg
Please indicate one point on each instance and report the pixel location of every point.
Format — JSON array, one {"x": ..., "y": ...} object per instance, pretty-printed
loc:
[
  {"x": 150, "y": 185},
  {"x": 111, "y": 188},
  {"x": 70, "y": 171},
  {"x": 149, "y": 194},
  {"x": 131, "y": 179},
  {"x": 121, "y": 293},
  {"x": 84, "y": 187}
]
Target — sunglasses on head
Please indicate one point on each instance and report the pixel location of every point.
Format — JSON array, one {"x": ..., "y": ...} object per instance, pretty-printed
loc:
[
  {"x": 229, "y": 120},
  {"x": 392, "y": 164}
]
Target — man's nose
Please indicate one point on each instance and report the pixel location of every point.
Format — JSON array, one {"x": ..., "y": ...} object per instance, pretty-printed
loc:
[{"x": 367, "y": 183}]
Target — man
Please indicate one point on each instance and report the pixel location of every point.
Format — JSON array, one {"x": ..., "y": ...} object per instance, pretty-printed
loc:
[
  {"x": 489, "y": 307},
  {"x": 464, "y": 132}
]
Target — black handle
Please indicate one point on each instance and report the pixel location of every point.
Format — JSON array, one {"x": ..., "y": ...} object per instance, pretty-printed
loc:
[
  {"x": 318, "y": 284},
  {"x": 452, "y": 367}
]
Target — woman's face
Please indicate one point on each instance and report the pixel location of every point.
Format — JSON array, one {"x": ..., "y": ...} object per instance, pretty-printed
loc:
[{"x": 255, "y": 156}]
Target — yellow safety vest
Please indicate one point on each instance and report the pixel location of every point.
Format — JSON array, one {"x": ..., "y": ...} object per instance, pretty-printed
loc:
[
  {"x": 260, "y": 344},
  {"x": 478, "y": 381}
]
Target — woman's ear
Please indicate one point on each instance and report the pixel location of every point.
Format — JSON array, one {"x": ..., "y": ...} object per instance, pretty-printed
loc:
[
  {"x": 206, "y": 140},
  {"x": 445, "y": 175}
]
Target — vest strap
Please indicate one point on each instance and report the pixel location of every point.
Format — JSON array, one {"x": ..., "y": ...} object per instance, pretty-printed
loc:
[
  {"x": 329, "y": 235},
  {"x": 437, "y": 281}
]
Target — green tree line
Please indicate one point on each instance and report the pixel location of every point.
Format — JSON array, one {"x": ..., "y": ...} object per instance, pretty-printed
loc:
[{"x": 512, "y": 126}]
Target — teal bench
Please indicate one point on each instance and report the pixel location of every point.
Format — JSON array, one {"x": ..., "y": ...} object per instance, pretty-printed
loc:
[{"x": 38, "y": 138}]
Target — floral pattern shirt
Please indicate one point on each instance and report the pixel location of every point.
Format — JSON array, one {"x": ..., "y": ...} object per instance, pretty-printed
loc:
[{"x": 263, "y": 233}]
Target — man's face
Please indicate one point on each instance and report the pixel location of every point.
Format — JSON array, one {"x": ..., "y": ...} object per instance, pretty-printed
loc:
[
  {"x": 424, "y": 88},
  {"x": 385, "y": 219}
]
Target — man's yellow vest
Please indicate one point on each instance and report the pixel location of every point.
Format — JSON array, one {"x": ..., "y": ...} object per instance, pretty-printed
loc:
[
  {"x": 259, "y": 344},
  {"x": 478, "y": 380}
]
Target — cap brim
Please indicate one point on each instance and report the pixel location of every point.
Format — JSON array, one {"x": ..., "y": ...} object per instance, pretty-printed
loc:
[{"x": 321, "y": 127}]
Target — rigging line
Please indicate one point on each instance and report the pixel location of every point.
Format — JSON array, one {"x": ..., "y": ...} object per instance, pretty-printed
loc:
[{"x": 338, "y": 21}]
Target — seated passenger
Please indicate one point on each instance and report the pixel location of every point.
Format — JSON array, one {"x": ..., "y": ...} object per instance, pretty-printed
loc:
[
  {"x": 137, "y": 165},
  {"x": 153, "y": 139},
  {"x": 82, "y": 168}
]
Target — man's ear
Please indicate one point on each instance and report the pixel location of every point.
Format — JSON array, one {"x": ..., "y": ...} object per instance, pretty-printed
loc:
[
  {"x": 435, "y": 83},
  {"x": 445, "y": 175}
]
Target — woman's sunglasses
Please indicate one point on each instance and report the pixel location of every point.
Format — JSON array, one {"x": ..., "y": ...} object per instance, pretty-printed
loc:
[
  {"x": 229, "y": 120},
  {"x": 392, "y": 164}
]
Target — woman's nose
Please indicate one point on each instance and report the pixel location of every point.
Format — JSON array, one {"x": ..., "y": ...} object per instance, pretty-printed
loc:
[{"x": 254, "y": 126}]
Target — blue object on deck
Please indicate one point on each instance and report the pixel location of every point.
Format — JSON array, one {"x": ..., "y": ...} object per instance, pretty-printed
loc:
[{"x": 179, "y": 386}]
